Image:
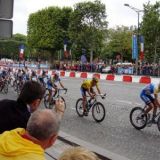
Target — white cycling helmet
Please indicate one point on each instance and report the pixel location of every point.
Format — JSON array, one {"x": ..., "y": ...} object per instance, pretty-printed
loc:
[{"x": 56, "y": 73}]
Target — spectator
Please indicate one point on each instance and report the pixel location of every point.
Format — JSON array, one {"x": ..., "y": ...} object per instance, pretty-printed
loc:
[
  {"x": 78, "y": 153},
  {"x": 14, "y": 114},
  {"x": 41, "y": 132}
]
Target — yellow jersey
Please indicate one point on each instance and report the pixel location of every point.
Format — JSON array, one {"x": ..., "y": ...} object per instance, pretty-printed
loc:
[{"x": 87, "y": 84}]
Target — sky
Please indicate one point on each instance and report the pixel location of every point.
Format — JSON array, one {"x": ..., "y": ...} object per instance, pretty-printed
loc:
[{"x": 117, "y": 13}]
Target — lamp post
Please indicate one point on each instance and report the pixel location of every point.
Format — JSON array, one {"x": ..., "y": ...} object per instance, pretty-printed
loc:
[{"x": 138, "y": 13}]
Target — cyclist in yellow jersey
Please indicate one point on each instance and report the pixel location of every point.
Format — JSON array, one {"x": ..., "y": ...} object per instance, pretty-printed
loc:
[{"x": 87, "y": 86}]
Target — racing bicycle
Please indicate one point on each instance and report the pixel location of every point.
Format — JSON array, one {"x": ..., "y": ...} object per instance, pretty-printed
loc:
[
  {"x": 139, "y": 120},
  {"x": 93, "y": 105},
  {"x": 55, "y": 97}
]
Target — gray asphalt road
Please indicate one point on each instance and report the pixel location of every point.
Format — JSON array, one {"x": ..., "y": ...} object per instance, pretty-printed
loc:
[{"x": 115, "y": 133}]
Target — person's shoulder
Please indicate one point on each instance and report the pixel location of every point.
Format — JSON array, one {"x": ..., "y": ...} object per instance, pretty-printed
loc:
[
  {"x": 85, "y": 81},
  {"x": 7, "y": 103}
]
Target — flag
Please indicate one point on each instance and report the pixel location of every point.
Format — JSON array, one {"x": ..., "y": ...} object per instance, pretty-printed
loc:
[
  {"x": 134, "y": 47},
  {"x": 66, "y": 52},
  {"x": 141, "y": 48},
  {"x": 21, "y": 52}
]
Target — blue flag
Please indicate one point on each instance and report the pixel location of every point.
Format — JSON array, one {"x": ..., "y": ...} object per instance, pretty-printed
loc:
[{"x": 134, "y": 47}]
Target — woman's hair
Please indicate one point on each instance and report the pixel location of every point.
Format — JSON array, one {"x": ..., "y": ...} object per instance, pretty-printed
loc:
[{"x": 78, "y": 153}]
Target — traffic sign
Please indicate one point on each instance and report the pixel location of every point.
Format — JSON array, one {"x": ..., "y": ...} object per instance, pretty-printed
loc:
[
  {"x": 6, "y": 9},
  {"x": 6, "y": 28}
]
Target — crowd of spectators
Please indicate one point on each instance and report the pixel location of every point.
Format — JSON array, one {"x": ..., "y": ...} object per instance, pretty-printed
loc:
[
  {"x": 149, "y": 69},
  {"x": 129, "y": 68},
  {"x": 143, "y": 69}
]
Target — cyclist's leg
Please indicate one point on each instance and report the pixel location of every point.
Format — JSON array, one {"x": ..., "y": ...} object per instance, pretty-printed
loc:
[
  {"x": 147, "y": 100},
  {"x": 83, "y": 92},
  {"x": 155, "y": 108},
  {"x": 49, "y": 93},
  {"x": 55, "y": 89}
]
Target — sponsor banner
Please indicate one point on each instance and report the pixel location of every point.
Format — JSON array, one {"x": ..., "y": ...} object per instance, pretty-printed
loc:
[{"x": 134, "y": 47}]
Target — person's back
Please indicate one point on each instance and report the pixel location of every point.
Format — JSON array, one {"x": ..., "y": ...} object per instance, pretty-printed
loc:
[
  {"x": 15, "y": 114},
  {"x": 147, "y": 90},
  {"x": 150, "y": 89},
  {"x": 18, "y": 148},
  {"x": 86, "y": 84},
  {"x": 40, "y": 134}
]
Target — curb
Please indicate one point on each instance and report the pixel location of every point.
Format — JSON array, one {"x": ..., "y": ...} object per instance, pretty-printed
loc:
[{"x": 102, "y": 153}]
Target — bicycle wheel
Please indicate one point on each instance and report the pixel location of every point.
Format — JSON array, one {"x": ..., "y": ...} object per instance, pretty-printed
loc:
[
  {"x": 158, "y": 123},
  {"x": 79, "y": 107},
  {"x": 98, "y": 112},
  {"x": 46, "y": 103},
  {"x": 137, "y": 120}
]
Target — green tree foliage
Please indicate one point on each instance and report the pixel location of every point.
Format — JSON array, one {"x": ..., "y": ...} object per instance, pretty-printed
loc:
[
  {"x": 9, "y": 48},
  {"x": 119, "y": 41},
  {"x": 47, "y": 28},
  {"x": 19, "y": 37},
  {"x": 150, "y": 28},
  {"x": 87, "y": 26}
]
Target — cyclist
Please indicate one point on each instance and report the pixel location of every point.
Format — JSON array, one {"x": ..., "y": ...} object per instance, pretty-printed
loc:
[
  {"x": 87, "y": 86},
  {"x": 52, "y": 83},
  {"x": 149, "y": 95},
  {"x": 42, "y": 78},
  {"x": 33, "y": 76}
]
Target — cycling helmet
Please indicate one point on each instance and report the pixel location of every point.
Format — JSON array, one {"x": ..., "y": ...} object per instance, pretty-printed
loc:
[
  {"x": 56, "y": 74},
  {"x": 95, "y": 79}
]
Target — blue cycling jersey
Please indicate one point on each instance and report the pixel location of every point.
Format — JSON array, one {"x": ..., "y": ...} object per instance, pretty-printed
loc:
[{"x": 150, "y": 89}]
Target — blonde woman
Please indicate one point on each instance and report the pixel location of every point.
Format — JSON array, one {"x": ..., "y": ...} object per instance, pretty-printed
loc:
[{"x": 78, "y": 153}]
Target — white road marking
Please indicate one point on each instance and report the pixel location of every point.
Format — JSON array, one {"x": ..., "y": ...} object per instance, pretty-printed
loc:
[{"x": 128, "y": 102}]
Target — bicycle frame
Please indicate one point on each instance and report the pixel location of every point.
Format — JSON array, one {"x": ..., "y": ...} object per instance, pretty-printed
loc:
[
  {"x": 57, "y": 95},
  {"x": 91, "y": 101},
  {"x": 157, "y": 114},
  {"x": 89, "y": 104}
]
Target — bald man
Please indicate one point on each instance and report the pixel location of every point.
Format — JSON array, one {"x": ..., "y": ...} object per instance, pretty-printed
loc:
[{"x": 41, "y": 132}]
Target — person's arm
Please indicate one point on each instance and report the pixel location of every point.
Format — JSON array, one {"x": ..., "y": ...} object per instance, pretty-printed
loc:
[
  {"x": 98, "y": 89},
  {"x": 60, "y": 108},
  {"x": 89, "y": 92},
  {"x": 61, "y": 84},
  {"x": 156, "y": 100}
]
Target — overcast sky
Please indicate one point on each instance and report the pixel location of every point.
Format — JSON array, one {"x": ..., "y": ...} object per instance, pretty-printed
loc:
[{"x": 117, "y": 13}]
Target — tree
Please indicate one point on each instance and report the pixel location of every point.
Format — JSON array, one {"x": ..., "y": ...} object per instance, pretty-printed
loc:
[
  {"x": 150, "y": 28},
  {"x": 119, "y": 41},
  {"x": 87, "y": 26},
  {"x": 9, "y": 48},
  {"x": 47, "y": 29}
]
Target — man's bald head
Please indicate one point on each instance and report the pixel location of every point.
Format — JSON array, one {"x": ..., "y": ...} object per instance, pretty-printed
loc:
[{"x": 42, "y": 124}]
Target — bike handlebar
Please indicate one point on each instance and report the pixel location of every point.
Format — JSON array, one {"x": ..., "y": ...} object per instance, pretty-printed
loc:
[
  {"x": 63, "y": 89},
  {"x": 103, "y": 96}
]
